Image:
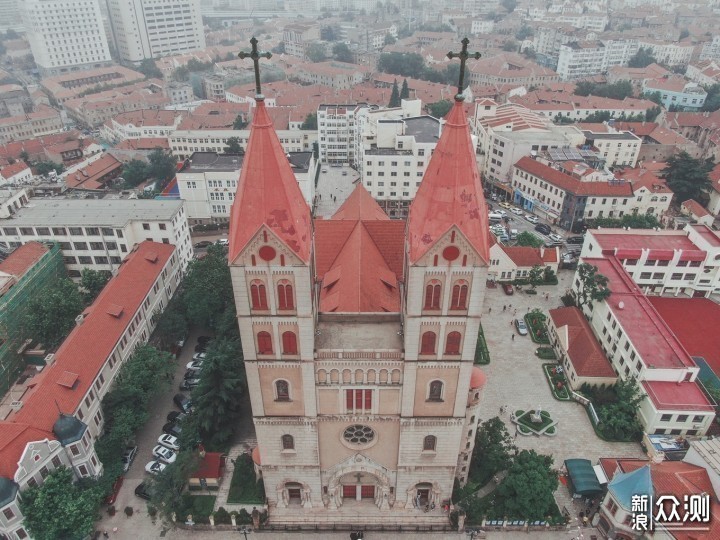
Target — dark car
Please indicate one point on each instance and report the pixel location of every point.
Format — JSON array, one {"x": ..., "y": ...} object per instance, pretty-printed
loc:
[
  {"x": 575, "y": 240},
  {"x": 190, "y": 374},
  {"x": 202, "y": 244},
  {"x": 508, "y": 288},
  {"x": 173, "y": 429},
  {"x": 542, "y": 228},
  {"x": 142, "y": 492},
  {"x": 204, "y": 340},
  {"x": 201, "y": 348},
  {"x": 189, "y": 384},
  {"x": 176, "y": 416},
  {"x": 112, "y": 496},
  {"x": 183, "y": 402}
]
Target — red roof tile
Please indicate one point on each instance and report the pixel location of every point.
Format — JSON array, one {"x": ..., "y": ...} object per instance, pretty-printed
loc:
[
  {"x": 92, "y": 176},
  {"x": 523, "y": 255},
  {"x": 268, "y": 193},
  {"x": 674, "y": 396},
  {"x": 23, "y": 258},
  {"x": 571, "y": 184},
  {"x": 360, "y": 205},
  {"x": 695, "y": 208},
  {"x": 13, "y": 440},
  {"x": 211, "y": 466},
  {"x": 451, "y": 193},
  {"x": 11, "y": 170},
  {"x": 583, "y": 348}
]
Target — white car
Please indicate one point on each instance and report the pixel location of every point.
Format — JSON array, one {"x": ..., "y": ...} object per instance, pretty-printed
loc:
[
  {"x": 155, "y": 467},
  {"x": 199, "y": 356},
  {"x": 195, "y": 365},
  {"x": 516, "y": 211},
  {"x": 501, "y": 212},
  {"x": 169, "y": 441},
  {"x": 555, "y": 237},
  {"x": 164, "y": 454},
  {"x": 531, "y": 218}
]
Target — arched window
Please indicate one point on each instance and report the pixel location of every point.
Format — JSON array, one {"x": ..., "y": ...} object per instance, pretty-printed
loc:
[
  {"x": 427, "y": 345},
  {"x": 459, "y": 295},
  {"x": 429, "y": 443},
  {"x": 264, "y": 343},
  {"x": 436, "y": 391},
  {"x": 282, "y": 390},
  {"x": 285, "y": 295},
  {"x": 289, "y": 342},
  {"x": 258, "y": 295},
  {"x": 452, "y": 345},
  {"x": 288, "y": 443},
  {"x": 432, "y": 295}
]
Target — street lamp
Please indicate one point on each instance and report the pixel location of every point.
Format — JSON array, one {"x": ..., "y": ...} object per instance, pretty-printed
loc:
[{"x": 245, "y": 530}]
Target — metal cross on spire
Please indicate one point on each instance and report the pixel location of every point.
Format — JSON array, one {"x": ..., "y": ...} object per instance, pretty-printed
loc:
[
  {"x": 463, "y": 55},
  {"x": 255, "y": 56}
]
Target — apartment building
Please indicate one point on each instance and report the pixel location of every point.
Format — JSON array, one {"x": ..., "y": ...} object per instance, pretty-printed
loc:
[
  {"x": 68, "y": 86},
  {"x": 59, "y": 416},
  {"x": 297, "y": 37},
  {"x": 676, "y": 92},
  {"x": 145, "y": 123},
  {"x": 580, "y": 59},
  {"x": 208, "y": 181},
  {"x": 98, "y": 233},
  {"x": 338, "y": 75},
  {"x": 569, "y": 107},
  {"x": 151, "y": 28},
  {"x": 337, "y": 132},
  {"x": 94, "y": 109},
  {"x": 43, "y": 120},
  {"x": 618, "y": 148},
  {"x": 65, "y": 35},
  {"x": 509, "y": 68},
  {"x": 508, "y": 263},
  {"x": 17, "y": 173},
  {"x": 184, "y": 142},
  {"x": 711, "y": 49},
  {"x": 669, "y": 53}
]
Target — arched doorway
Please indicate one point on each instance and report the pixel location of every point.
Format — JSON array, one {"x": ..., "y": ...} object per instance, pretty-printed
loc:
[
  {"x": 421, "y": 494},
  {"x": 292, "y": 493},
  {"x": 359, "y": 487},
  {"x": 358, "y": 480}
]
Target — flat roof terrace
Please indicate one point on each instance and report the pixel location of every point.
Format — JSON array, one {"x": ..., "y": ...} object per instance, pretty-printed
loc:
[{"x": 355, "y": 334}]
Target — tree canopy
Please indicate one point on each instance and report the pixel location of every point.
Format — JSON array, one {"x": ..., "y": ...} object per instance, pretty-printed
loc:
[
  {"x": 593, "y": 285},
  {"x": 342, "y": 53},
  {"x": 536, "y": 276},
  {"x": 527, "y": 238},
  {"x": 162, "y": 165},
  {"x": 135, "y": 172},
  {"x": 404, "y": 90},
  {"x": 633, "y": 221},
  {"x": 148, "y": 68},
  {"x": 239, "y": 122},
  {"x": 687, "y": 176},
  {"x": 51, "y": 316},
  {"x": 642, "y": 58},
  {"x": 492, "y": 452},
  {"x": 92, "y": 282},
  {"x": 172, "y": 324},
  {"x": 440, "y": 108},
  {"x": 310, "y": 122},
  {"x": 232, "y": 146},
  {"x": 59, "y": 508},
  {"x": 207, "y": 289},
  {"x": 712, "y": 101},
  {"x": 509, "y": 5},
  {"x": 44, "y": 167},
  {"x": 527, "y": 491},
  {"x": 389, "y": 40},
  {"x": 316, "y": 52},
  {"x": 405, "y": 64},
  {"x": 395, "y": 95},
  {"x": 618, "y": 90}
]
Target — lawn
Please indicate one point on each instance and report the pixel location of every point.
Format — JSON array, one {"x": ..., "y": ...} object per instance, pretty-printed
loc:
[
  {"x": 198, "y": 506},
  {"x": 525, "y": 420},
  {"x": 545, "y": 353},
  {"x": 244, "y": 489}
]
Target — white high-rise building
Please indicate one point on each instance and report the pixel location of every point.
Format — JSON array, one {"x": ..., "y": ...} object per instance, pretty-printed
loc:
[
  {"x": 10, "y": 15},
  {"x": 65, "y": 35},
  {"x": 152, "y": 28}
]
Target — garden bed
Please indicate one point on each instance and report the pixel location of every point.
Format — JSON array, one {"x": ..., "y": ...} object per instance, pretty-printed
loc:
[
  {"x": 198, "y": 506},
  {"x": 536, "y": 327},
  {"x": 525, "y": 426},
  {"x": 244, "y": 488},
  {"x": 558, "y": 383},
  {"x": 545, "y": 353}
]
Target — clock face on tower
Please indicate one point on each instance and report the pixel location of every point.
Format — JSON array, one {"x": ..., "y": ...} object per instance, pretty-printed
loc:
[
  {"x": 267, "y": 253},
  {"x": 451, "y": 253}
]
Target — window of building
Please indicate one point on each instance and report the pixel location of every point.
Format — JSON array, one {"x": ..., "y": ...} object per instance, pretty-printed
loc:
[
  {"x": 285, "y": 295},
  {"x": 44, "y": 471},
  {"x": 56, "y": 462},
  {"x": 8, "y": 513},
  {"x": 282, "y": 390},
  {"x": 21, "y": 534},
  {"x": 429, "y": 443},
  {"x": 698, "y": 418},
  {"x": 258, "y": 295},
  {"x": 358, "y": 400},
  {"x": 452, "y": 344},
  {"x": 289, "y": 342},
  {"x": 435, "y": 391},
  {"x": 264, "y": 343},
  {"x": 682, "y": 418},
  {"x": 427, "y": 344},
  {"x": 666, "y": 417},
  {"x": 146, "y": 226},
  {"x": 432, "y": 295},
  {"x": 83, "y": 470},
  {"x": 459, "y": 295},
  {"x": 288, "y": 442}
]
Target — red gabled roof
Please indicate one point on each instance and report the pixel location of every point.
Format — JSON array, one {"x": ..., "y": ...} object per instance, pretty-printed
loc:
[
  {"x": 23, "y": 258},
  {"x": 360, "y": 205},
  {"x": 13, "y": 440},
  {"x": 268, "y": 193},
  {"x": 677, "y": 396},
  {"x": 85, "y": 351},
  {"x": 210, "y": 466},
  {"x": 450, "y": 193},
  {"x": 583, "y": 349}
]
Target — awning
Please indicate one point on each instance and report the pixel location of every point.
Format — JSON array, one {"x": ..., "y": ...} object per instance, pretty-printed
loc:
[
  {"x": 688, "y": 255},
  {"x": 628, "y": 253},
  {"x": 582, "y": 476},
  {"x": 661, "y": 255}
]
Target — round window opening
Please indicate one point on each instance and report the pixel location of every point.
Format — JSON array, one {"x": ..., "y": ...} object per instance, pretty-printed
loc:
[{"x": 359, "y": 435}]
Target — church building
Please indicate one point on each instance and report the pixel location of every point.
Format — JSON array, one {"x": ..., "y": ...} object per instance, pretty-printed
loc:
[{"x": 359, "y": 334}]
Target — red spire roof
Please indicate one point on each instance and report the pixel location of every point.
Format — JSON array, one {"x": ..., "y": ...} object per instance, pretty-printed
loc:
[
  {"x": 268, "y": 193},
  {"x": 450, "y": 193},
  {"x": 360, "y": 205}
]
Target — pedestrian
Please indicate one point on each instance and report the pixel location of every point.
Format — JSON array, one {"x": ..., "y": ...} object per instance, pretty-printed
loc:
[
  {"x": 490, "y": 310},
  {"x": 504, "y": 307},
  {"x": 515, "y": 312},
  {"x": 528, "y": 310},
  {"x": 511, "y": 322},
  {"x": 105, "y": 534},
  {"x": 516, "y": 432},
  {"x": 513, "y": 337}
]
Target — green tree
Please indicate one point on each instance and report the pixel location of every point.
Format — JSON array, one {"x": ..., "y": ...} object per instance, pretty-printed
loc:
[
  {"x": 510, "y": 45},
  {"x": 167, "y": 488},
  {"x": 24, "y": 156},
  {"x": 687, "y": 176},
  {"x": 440, "y": 108},
  {"x": 232, "y": 146},
  {"x": 316, "y": 52},
  {"x": 148, "y": 68},
  {"x": 655, "y": 97},
  {"x": 51, "y": 316},
  {"x": 618, "y": 90},
  {"x": 642, "y": 58},
  {"x": 239, "y": 122},
  {"x": 535, "y": 276},
  {"x": 216, "y": 400},
  {"x": 492, "y": 452},
  {"x": 395, "y": 95},
  {"x": 279, "y": 48},
  {"x": 618, "y": 420},
  {"x": 593, "y": 286},
  {"x": 92, "y": 282},
  {"x": 632, "y": 221},
  {"x": 683, "y": 34},
  {"x": 404, "y": 64},
  {"x": 329, "y": 33},
  {"x": 712, "y": 101},
  {"x": 135, "y": 172},
  {"x": 404, "y": 90},
  {"x": 207, "y": 291},
  {"x": 59, "y": 508},
  {"x": 181, "y": 74},
  {"x": 528, "y": 239},
  {"x": 342, "y": 53},
  {"x": 44, "y": 167},
  {"x": 549, "y": 275},
  {"x": 310, "y": 122},
  {"x": 172, "y": 324},
  {"x": 389, "y": 40},
  {"x": 162, "y": 165},
  {"x": 524, "y": 33},
  {"x": 652, "y": 113},
  {"x": 509, "y": 5},
  {"x": 527, "y": 491}
]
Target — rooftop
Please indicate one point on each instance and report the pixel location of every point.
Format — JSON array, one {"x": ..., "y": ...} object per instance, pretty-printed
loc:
[
  {"x": 571, "y": 184},
  {"x": 674, "y": 396},
  {"x": 642, "y": 239},
  {"x": 360, "y": 335},
  {"x": 23, "y": 258},
  {"x": 425, "y": 129},
  {"x": 201, "y": 162},
  {"x": 583, "y": 349}
]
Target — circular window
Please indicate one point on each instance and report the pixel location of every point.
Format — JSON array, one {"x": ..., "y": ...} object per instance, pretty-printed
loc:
[
  {"x": 358, "y": 435},
  {"x": 267, "y": 253},
  {"x": 451, "y": 253}
]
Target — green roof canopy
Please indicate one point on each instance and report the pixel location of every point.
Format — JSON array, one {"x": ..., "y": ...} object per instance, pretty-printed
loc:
[{"x": 582, "y": 476}]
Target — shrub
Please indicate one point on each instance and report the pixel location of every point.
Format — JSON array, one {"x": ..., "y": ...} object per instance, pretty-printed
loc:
[
  {"x": 222, "y": 517},
  {"x": 128, "y": 511},
  {"x": 243, "y": 517}
]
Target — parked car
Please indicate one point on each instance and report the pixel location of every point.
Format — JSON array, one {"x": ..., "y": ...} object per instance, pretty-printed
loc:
[
  {"x": 199, "y": 356},
  {"x": 112, "y": 496},
  {"x": 203, "y": 340},
  {"x": 553, "y": 243},
  {"x": 200, "y": 348},
  {"x": 495, "y": 216},
  {"x": 164, "y": 454},
  {"x": 504, "y": 238},
  {"x": 521, "y": 328},
  {"x": 542, "y": 228},
  {"x": 506, "y": 204},
  {"x": 531, "y": 218},
  {"x": 142, "y": 492},
  {"x": 176, "y": 416},
  {"x": 195, "y": 365},
  {"x": 575, "y": 240},
  {"x": 171, "y": 428},
  {"x": 180, "y": 343},
  {"x": 508, "y": 288},
  {"x": 169, "y": 441},
  {"x": 516, "y": 211},
  {"x": 555, "y": 237},
  {"x": 223, "y": 241},
  {"x": 513, "y": 234},
  {"x": 155, "y": 467},
  {"x": 128, "y": 457},
  {"x": 183, "y": 402},
  {"x": 189, "y": 384},
  {"x": 202, "y": 244}
]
